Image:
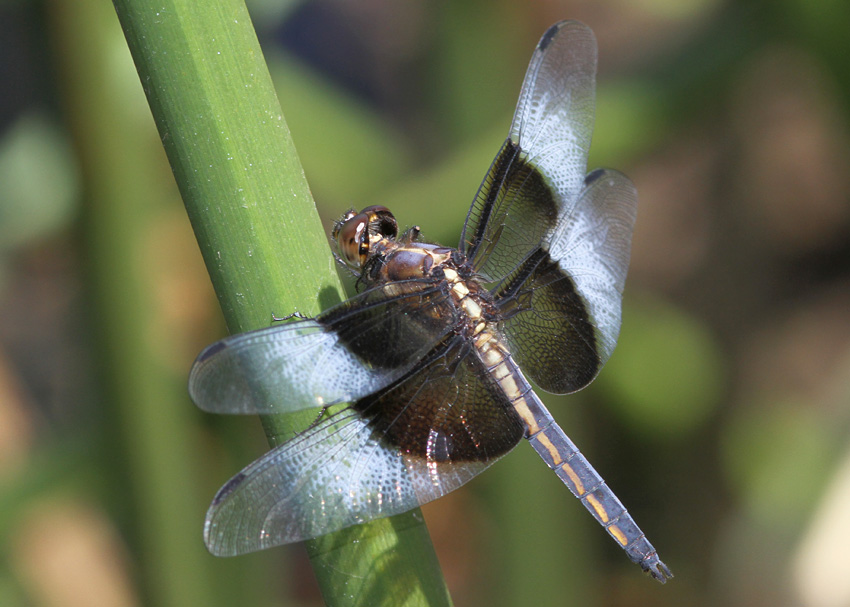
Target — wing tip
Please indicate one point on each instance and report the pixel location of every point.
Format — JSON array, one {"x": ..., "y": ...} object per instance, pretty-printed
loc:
[
  {"x": 227, "y": 489},
  {"x": 549, "y": 35},
  {"x": 213, "y": 539},
  {"x": 594, "y": 175},
  {"x": 211, "y": 351},
  {"x": 214, "y": 545}
]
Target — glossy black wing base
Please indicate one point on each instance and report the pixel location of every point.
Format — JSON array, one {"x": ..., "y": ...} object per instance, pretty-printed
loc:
[{"x": 562, "y": 305}]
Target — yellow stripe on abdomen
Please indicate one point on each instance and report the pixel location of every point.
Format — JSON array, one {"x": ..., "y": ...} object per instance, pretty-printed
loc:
[
  {"x": 552, "y": 449},
  {"x": 597, "y": 507},
  {"x": 574, "y": 478},
  {"x": 618, "y": 535},
  {"x": 521, "y": 407}
]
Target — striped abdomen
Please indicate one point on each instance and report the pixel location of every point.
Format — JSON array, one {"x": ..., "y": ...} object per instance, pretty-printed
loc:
[{"x": 562, "y": 456}]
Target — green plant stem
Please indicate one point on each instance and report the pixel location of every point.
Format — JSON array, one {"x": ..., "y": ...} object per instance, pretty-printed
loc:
[{"x": 263, "y": 244}]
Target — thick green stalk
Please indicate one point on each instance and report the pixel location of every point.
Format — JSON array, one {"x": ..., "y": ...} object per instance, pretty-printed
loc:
[{"x": 263, "y": 244}]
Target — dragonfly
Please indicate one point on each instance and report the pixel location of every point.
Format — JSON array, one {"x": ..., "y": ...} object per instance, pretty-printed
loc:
[{"x": 419, "y": 380}]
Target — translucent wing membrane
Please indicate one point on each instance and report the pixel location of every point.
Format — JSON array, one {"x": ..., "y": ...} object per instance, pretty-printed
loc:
[
  {"x": 336, "y": 474},
  {"x": 514, "y": 209},
  {"x": 349, "y": 468},
  {"x": 332, "y": 359},
  {"x": 554, "y": 243},
  {"x": 593, "y": 245},
  {"x": 553, "y": 121},
  {"x": 564, "y": 304},
  {"x": 537, "y": 176}
]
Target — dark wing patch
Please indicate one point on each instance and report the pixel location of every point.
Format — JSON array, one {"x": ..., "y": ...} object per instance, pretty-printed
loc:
[
  {"x": 513, "y": 210},
  {"x": 547, "y": 326},
  {"x": 393, "y": 324},
  {"x": 562, "y": 306}
]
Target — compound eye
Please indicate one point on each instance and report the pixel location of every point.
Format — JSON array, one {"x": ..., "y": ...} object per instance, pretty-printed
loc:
[{"x": 352, "y": 239}]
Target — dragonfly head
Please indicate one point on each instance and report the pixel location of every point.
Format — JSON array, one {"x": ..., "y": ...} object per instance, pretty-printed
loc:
[{"x": 357, "y": 233}]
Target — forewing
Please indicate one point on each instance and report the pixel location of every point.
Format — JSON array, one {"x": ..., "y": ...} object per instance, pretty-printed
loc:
[
  {"x": 353, "y": 349},
  {"x": 537, "y": 175},
  {"x": 411, "y": 443},
  {"x": 564, "y": 305}
]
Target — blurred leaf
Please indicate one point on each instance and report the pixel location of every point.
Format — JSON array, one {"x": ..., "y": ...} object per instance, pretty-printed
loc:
[
  {"x": 11, "y": 594},
  {"x": 779, "y": 457},
  {"x": 438, "y": 197},
  {"x": 61, "y": 466},
  {"x": 39, "y": 180},
  {"x": 630, "y": 117},
  {"x": 347, "y": 151},
  {"x": 481, "y": 51},
  {"x": 267, "y": 14},
  {"x": 151, "y": 454},
  {"x": 666, "y": 375},
  {"x": 675, "y": 9}
]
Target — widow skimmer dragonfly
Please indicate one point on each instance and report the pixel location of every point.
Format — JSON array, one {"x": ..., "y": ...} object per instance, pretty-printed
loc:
[{"x": 418, "y": 377}]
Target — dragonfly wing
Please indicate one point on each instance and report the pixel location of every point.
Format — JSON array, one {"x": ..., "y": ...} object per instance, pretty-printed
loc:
[
  {"x": 407, "y": 445},
  {"x": 567, "y": 297},
  {"x": 536, "y": 178},
  {"x": 353, "y": 349}
]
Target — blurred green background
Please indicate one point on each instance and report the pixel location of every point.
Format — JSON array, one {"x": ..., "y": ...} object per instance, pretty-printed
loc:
[{"x": 721, "y": 421}]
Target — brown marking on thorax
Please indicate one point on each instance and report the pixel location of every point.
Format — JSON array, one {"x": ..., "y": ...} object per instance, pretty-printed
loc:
[{"x": 403, "y": 262}]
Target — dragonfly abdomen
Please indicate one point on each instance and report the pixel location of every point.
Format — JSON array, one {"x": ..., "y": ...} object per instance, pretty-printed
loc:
[{"x": 573, "y": 468}]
